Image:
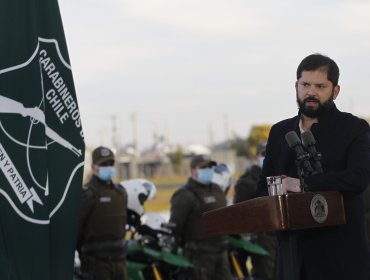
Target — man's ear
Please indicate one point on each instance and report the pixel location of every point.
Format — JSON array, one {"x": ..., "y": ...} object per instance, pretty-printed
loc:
[
  {"x": 94, "y": 169},
  {"x": 336, "y": 91},
  {"x": 193, "y": 173}
]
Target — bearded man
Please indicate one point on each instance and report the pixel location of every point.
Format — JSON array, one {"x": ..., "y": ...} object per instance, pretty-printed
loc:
[{"x": 334, "y": 252}]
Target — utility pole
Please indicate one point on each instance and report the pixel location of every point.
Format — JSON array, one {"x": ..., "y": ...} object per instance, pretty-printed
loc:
[
  {"x": 134, "y": 161},
  {"x": 211, "y": 136},
  {"x": 133, "y": 119},
  {"x": 226, "y": 128},
  {"x": 114, "y": 132}
]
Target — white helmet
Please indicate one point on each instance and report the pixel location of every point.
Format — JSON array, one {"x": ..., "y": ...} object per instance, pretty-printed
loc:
[
  {"x": 138, "y": 191},
  {"x": 222, "y": 176},
  {"x": 155, "y": 221}
]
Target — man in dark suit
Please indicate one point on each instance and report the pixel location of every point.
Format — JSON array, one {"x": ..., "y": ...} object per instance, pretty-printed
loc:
[
  {"x": 367, "y": 209},
  {"x": 335, "y": 252}
]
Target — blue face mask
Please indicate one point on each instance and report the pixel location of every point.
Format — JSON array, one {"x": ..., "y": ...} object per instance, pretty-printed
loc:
[
  {"x": 106, "y": 173},
  {"x": 205, "y": 175}
]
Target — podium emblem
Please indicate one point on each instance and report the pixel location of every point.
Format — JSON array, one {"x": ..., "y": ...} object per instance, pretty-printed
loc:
[{"x": 319, "y": 208}]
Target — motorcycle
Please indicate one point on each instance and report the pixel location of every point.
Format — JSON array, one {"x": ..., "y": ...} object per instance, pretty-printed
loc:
[
  {"x": 151, "y": 246},
  {"x": 150, "y": 252},
  {"x": 239, "y": 244}
]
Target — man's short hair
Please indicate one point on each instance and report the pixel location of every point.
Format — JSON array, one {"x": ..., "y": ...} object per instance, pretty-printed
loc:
[{"x": 318, "y": 61}]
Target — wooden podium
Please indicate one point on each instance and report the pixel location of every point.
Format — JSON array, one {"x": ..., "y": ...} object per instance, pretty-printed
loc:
[{"x": 284, "y": 213}]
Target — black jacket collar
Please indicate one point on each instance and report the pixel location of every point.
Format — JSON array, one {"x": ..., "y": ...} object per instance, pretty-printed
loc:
[{"x": 325, "y": 119}]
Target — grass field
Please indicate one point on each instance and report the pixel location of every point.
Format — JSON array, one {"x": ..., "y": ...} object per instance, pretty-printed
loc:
[{"x": 161, "y": 203}]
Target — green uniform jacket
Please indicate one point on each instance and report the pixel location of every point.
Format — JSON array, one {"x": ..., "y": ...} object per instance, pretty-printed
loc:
[
  {"x": 187, "y": 206},
  {"x": 102, "y": 220}
]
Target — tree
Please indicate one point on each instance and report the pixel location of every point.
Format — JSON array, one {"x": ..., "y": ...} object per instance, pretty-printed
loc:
[
  {"x": 176, "y": 159},
  {"x": 240, "y": 145},
  {"x": 258, "y": 134}
]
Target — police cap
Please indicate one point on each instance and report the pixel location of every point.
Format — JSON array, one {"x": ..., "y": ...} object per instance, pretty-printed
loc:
[
  {"x": 202, "y": 161},
  {"x": 102, "y": 154}
]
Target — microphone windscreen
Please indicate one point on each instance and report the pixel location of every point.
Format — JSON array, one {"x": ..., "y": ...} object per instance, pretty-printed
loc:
[
  {"x": 308, "y": 139},
  {"x": 292, "y": 139}
]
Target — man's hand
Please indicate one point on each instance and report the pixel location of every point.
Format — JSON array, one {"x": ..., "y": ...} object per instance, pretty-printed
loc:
[{"x": 291, "y": 184}]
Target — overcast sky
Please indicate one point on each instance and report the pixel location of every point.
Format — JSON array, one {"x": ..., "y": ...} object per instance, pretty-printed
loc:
[{"x": 202, "y": 70}]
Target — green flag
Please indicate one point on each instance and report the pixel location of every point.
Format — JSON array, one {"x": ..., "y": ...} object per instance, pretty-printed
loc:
[{"x": 41, "y": 144}]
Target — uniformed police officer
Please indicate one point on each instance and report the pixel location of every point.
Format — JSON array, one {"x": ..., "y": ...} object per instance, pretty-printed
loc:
[
  {"x": 208, "y": 255},
  {"x": 100, "y": 241}
]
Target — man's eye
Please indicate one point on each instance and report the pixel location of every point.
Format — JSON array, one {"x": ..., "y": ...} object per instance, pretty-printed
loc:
[{"x": 305, "y": 84}]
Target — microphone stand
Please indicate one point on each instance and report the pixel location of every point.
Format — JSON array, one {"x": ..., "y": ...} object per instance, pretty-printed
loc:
[
  {"x": 299, "y": 162},
  {"x": 290, "y": 256},
  {"x": 316, "y": 158}
]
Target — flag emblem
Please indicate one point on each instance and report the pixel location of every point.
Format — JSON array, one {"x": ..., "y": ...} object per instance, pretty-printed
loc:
[{"x": 39, "y": 133}]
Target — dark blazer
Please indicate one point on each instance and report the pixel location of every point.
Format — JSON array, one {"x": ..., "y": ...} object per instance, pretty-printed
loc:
[{"x": 337, "y": 252}]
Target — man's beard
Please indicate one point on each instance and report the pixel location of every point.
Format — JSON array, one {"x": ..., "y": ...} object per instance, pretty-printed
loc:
[{"x": 314, "y": 112}]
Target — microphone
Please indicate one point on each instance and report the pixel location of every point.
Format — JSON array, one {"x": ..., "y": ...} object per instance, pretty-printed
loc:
[
  {"x": 309, "y": 142},
  {"x": 302, "y": 161}
]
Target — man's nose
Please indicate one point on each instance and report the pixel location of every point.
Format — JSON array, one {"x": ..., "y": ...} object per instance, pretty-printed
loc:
[{"x": 311, "y": 91}]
